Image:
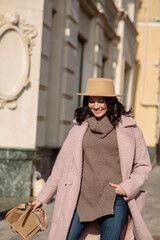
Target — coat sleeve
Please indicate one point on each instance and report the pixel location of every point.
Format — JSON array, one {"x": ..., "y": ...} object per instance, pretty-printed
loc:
[
  {"x": 140, "y": 170},
  {"x": 51, "y": 185}
]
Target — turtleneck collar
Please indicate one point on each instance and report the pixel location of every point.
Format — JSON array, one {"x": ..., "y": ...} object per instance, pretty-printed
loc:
[{"x": 100, "y": 128}]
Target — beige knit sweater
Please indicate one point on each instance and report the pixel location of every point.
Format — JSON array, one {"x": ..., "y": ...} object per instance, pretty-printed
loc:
[{"x": 101, "y": 165}]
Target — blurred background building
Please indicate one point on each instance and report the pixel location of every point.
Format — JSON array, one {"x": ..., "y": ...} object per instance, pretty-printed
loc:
[
  {"x": 147, "y": 100},
  {"x": 48, "y": 50}
]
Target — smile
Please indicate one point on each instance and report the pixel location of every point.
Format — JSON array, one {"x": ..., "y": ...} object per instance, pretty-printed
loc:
[{"x": 97, "y": 111}]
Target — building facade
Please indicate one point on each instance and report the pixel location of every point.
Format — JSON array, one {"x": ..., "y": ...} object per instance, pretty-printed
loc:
[
  {"x": 71, "y": 42},
  {"x": 147, "y": 95}
]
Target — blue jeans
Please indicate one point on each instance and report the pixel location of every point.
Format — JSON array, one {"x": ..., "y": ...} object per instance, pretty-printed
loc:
[{"x": 110, "y": 225}]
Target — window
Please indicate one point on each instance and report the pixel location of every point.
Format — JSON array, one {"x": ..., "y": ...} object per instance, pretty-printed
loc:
[
  {"x": 78, "y": 72},
  {"x": 103, "y": 66},
  {"x": 127, "y": 89}
]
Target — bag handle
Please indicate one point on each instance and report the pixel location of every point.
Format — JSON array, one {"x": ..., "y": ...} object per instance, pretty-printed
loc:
[{"x": 42, "y": 217}]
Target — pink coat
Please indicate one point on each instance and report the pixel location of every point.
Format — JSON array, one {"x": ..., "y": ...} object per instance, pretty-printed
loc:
[{"x": 65, "y": 181}]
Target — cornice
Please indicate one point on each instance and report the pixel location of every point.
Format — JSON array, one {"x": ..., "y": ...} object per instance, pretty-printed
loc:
[
  {"x": 124, "y": 16},
  {"x": 108, "y": 29},
  {"x": 112, "y": 7},
  {"x": 89, "y": 7},
  {"x": 92, "y": 9}
]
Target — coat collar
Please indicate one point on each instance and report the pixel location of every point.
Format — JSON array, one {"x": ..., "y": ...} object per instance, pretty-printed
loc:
[{"x": 126, "y": 121}]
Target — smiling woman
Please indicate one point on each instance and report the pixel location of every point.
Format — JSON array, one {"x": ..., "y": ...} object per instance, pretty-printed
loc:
[{"x": 99, "y": 172}]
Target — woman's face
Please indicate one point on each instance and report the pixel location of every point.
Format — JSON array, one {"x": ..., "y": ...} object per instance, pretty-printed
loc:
[{"x": 97, "y": 106}]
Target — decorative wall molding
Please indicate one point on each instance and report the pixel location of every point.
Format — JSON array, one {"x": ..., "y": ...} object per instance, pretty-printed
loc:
[{"x": 17, "y": 38}]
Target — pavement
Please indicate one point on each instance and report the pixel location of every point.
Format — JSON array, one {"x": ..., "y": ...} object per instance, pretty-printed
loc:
[{"x": 151, "y": 214}]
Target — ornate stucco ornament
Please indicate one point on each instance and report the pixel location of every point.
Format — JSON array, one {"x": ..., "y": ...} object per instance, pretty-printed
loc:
[{"x": 17, "y": 37}]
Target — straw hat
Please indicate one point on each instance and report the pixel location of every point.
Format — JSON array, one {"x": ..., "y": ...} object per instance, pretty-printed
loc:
[{"x": 100, "y": 87}]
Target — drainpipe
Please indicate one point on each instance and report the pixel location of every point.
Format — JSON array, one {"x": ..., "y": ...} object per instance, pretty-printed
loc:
[{"x": 158, "y": 119}]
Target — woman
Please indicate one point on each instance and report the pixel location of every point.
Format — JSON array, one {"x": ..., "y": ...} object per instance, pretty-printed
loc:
[{"x": 99, "y": 172}]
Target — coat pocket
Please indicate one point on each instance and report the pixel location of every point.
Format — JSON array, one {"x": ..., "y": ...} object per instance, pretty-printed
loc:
[{"x": 141, "y": 200}]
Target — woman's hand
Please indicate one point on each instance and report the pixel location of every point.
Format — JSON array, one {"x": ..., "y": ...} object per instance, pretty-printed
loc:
[
  {"x": 36, "y": 204},
  {"x": 118, "y": 189}
]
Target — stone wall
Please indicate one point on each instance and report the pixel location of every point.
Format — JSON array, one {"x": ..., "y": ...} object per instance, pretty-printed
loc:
[{"x": 15, "y": 172}]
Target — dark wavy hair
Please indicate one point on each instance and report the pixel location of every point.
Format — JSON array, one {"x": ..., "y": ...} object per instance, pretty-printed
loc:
[{"x": 114, "y": 111}]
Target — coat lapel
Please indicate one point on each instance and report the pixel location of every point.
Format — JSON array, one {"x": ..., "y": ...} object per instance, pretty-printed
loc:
[
  {"x": 126, "y": 142},
  {"x": 77, "y": 145},
  {"x": 126, "y": 145}
]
